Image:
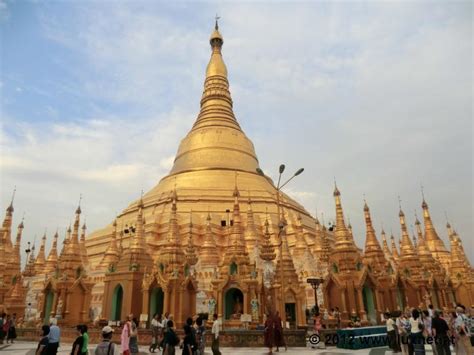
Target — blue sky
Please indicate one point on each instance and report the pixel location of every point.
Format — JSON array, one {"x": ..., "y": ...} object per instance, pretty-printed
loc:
[{"x": 95, "y": 97}]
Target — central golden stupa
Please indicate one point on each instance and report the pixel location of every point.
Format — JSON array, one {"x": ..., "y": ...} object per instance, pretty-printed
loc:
[{"x": 215, "y": 162}]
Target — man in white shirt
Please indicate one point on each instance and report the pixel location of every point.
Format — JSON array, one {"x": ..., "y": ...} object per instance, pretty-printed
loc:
[{"x": 215, "y": 338}]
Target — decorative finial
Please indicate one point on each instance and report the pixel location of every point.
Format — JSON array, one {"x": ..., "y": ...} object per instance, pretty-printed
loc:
[
  {"x": 336, "y": 190},
  {"x": 217, "y": 24},
  {"x": 10, "y": 208},
  {"x": 78, "y": 210},
  {"x": 422, "y": 191},
  {"x": 13, "y": 195},
  {"x": 399, "y": 202}
]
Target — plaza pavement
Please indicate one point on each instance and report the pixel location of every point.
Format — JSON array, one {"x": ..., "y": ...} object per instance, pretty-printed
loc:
[{"x": 28, "y": 348}]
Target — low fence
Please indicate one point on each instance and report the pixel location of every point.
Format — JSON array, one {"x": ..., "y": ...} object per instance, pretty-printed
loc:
[{"x": 227, "y": 338}]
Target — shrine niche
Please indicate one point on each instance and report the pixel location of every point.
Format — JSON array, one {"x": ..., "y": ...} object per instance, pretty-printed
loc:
[
  {"x": 157, "y": 299},
  {"x": 116, "y": 305},
  {"x": 233, "y": 303}
]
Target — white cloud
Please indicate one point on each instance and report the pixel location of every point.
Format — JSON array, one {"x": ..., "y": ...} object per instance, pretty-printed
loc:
[{"x": 376, "y": 94}]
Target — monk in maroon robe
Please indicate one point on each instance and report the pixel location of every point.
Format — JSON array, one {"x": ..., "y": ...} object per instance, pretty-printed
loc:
[
  {"x": 279, "y": 337},
  {"x": 269, "y": 332}
]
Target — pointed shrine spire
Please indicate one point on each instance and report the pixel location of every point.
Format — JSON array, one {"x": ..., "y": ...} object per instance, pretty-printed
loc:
[
  {"x": 373, "y": 254},
  {"x": 40, "y": 261},
  {"x": 406, "y": 246},
  {"x": 342, "y": 234},
  {"x": 209, "y": 257},
  {"x": 52, "y": 260},
  {"x": 191, "y": 255},
  {"x": 10, "y": 208},
  {"x": 433, "y": 241},
  {"x": 394, "y": 248},
  {"x": 112, "y": 253},
  {"x": 267, "y": 251}
]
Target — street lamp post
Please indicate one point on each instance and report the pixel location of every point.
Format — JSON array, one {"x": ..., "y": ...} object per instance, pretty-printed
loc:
[
  {"x": 315, "y": 282},
  {"x": 281, "y": 229}
]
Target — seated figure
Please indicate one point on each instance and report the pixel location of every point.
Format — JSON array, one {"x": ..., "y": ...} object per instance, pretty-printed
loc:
[{"x": 237, "y": 309}]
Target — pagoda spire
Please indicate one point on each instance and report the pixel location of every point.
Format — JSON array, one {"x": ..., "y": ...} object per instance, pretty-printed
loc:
[
  {"x": 216, "y": 95},
  {"x": 373, "y": 253},
  {"x": 409, "y": 261},
  {"x": 112, "y": 254},
  {"x": 300, "y": 242},
  {"x": 173, "y": 254},
  {"x": 209, "y": 256},
  {"x": 251, "y": 234},
  {"x": 345, "y": 253},
  {"x": 395, "y": 254},
  {"x": 415, "y": 243},
  {"x": 341, "y": 229},
  {"x": 433, "y": 241},
  {"x": 82, "y": 245},
  {"x": 237, "y": 243},
  {"x": 458, "y": 268},
  {"x": 318, "y": 239},
  {"x": 40, "y": 261},
  {"x": 406, "y": 244},
  {"x": 229, "y": 141},
  {"x": 137, "y": 240},
  {"x": 385, "y": 248},
  {"x": 267, "y": 251},
  {"x": 52, "y": 260},
  {"x": 17, "y": 249},
  {"x": 6, "y": 247},
  {"x": 191, "y": 255},
  {"x": 236, "y": 252},
  {"x": 30, "y": 263},
  {"x": 70, "y": 259}
]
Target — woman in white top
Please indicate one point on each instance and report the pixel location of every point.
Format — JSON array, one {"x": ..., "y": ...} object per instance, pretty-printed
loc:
[
  {"x": 416, "y": 334},
  {"x": 156, "y": 332}
]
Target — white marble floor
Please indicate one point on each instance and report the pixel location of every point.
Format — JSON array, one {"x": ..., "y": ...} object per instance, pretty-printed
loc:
[{"x": 28, "y": 348}]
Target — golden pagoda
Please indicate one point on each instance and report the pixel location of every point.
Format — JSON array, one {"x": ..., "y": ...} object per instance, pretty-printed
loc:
[{"x": 212, "y": 160}]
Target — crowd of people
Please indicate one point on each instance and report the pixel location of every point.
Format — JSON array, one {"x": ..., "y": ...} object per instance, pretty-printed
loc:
[
  {"x": 165, "y": 339},
  {"x": 409, "y": 331},
  {"x": 7, "y": 328}
]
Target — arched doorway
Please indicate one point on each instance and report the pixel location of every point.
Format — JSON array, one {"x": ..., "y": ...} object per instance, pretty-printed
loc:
[
  {"x": 233, "y": 303},
  {"x": 157, "y": 297},
  {"x": 48, "y": 306},
  {"x": 117, "y": 298},
  {"x": 400, "y": 296},
  {"x": 369, "y": 304}
]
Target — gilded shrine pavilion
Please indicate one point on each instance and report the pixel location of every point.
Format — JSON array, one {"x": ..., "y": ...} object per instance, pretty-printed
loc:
[{"x": 217, "y": 236}]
